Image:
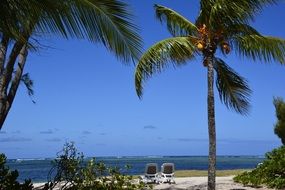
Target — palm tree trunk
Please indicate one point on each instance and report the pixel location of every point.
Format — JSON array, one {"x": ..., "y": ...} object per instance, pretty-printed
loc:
[
  {"x": 5, "y": 78},
  {"x": 211, "y": 127},
  {"x": 19, "y": 50},
  {"x": 3, "y": 51},
  {"x": 14, "y": 85}
]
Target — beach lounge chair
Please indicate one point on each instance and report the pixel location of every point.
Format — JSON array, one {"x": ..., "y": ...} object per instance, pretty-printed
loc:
[
  {"x": 151, "y": 174},
  {"x": 167, "y": 173}
]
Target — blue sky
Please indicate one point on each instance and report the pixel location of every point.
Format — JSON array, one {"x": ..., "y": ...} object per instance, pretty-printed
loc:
[{"x": 84, "y": 94}]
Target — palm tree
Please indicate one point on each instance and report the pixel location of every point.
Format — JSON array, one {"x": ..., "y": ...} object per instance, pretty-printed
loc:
[
  {"x": 23, "y": 22},
  {"x": 221, "y": 26}
]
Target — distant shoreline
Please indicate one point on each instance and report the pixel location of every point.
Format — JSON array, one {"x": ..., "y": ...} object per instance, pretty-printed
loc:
[{"x": 150, "y": 156}]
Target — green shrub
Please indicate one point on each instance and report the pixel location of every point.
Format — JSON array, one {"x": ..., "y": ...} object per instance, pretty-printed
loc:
[
  {"x": 279, "y": 128},
  {"x": 8, "y": 178},
  {"x": 270, "y": 173},
  {"x": 72, "y": 172}
]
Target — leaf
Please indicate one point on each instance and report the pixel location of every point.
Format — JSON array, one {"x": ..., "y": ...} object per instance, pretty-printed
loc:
[
  {"x": 108, "y": 22},
  {"x": 263, "y": 48},
  {"x": 175, "y": 51},
  {"x": 240, "y": 29},
  {"x": 205, "y": 11},
  {"x": 225, "y": 12},
  {"x": 233, "y": 89},
  {"x": 176, "y": 23},
  {"x": 29, "y": 84}
]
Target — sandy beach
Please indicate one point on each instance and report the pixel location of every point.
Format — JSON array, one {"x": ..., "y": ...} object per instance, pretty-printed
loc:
[{"x": 198, "y": 183}]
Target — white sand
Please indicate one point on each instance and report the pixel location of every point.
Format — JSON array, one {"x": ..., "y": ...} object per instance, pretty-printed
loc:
[{"x": 198, "y": 183}]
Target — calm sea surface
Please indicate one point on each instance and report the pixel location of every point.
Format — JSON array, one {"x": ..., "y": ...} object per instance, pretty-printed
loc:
[{"x": 37, "y": 169}]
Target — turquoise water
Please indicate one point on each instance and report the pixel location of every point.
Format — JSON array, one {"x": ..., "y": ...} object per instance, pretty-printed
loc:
[{"x": 37, "y": 169}]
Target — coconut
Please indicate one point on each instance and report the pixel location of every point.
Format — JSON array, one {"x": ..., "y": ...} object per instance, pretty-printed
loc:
[
  {"x": 200, "y": 46},
  {"x": 226, "y": 48}
]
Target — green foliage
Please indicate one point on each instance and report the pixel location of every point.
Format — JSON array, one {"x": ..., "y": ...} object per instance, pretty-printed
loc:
[
  {"x": 223, "y": 12},
  {"x": 270, "y": 173},
  {"x": 175, "y": 50},
  {"x": 8, "y": 178},
  {"x": 204, "y": 39},
  {"x": 108, "y": 22},
  {"x": 279, "y": 129},
  {"x": 177, "y": 25},
  {"x": 232, "y": 88},
  {"x": 258, "y": 47},
  {"x": 72, "y": 172},
  {"x": 220, "y": 26}
]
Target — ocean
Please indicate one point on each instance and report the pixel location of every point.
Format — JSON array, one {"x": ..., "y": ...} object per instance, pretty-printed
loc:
[{"x": 37, "y": 169}]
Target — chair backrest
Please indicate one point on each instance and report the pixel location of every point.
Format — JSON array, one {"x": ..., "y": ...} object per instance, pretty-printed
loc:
[
  {"x": 151, "y": 168},
  {"x": 167, "y": 168}
]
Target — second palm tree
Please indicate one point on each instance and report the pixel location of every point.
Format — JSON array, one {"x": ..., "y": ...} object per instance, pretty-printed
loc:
[{"x": 219, "y": 26}]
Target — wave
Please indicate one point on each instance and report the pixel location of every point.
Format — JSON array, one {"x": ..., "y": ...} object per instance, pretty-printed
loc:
[{"x": 28, "y": 159}]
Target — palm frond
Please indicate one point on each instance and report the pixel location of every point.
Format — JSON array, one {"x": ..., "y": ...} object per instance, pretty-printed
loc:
[
  {"x": 205, "y": 11},
  {"x": 263, "y": 48},
  {"x": 240, "y": 29},
  {"x": 176, "y": 50},
  {"x": 108, "y": 22},
  {"x": 233, "y": 89},
  {"x": 22, "y": 15},
  {"x": 12, "y": 17},
  {"x": 57, "y": 19},
  {"x": 176, "y": 23},
  {"x": 225, "y": 12},
  {"x": 28, "y": 83}
]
